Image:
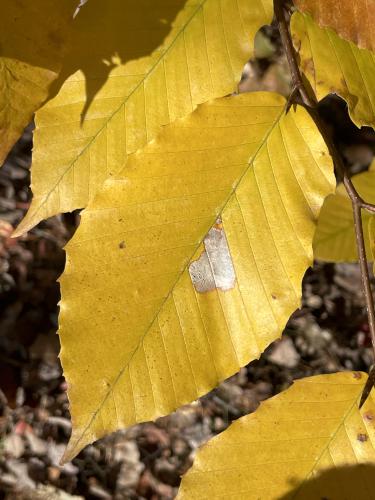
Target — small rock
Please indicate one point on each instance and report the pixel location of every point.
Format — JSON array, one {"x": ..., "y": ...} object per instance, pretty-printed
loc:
[
  {"x": 37, "y": 446},
  {"x": 128, "y": 455},
  {"x": 180, "y": 446},
  {"x": 314, "y": 301},
  {"x": 284, "y": 353},
  {"x": 20, "y": 472},
  {"x": 219, "y": 424},
  {"x": 55, "y": 452},
  {"x": 227, "y": 391},
  {"x": 60, "y": 422},
  {"x": 98, "y": 492},
  {"x": 8, "y": 480},
  {"x": 50, "y": 493},
  {"x": 53, "y": 474},
  {"x": 13, "y": 445}
]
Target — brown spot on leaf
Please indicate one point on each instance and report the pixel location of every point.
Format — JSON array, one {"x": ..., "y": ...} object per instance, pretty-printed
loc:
[
  {"x": 214, "y": 268},
  {"x": 357, "y": 375},
  {"x": 273, "y": 296},
  {"x": 122, "y": 244},
  {"x": 308, "y": 66},
  {"x": 362, "y": 437},
  {"x": 369, "y": 416}
]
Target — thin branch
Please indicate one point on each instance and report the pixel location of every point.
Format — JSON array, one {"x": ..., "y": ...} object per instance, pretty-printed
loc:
[
  {"x": 310, "y": 102},
  {"x": 368, "y": 206},
  {"x": 283, "y": 20}
]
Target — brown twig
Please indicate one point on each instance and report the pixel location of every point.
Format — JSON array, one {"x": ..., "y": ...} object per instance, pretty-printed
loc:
[
  {"x": 283, "y": 19},
  {"x": 309, "y": 100}
]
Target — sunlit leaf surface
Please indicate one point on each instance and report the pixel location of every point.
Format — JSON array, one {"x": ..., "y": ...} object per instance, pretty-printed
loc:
[
  {"x": 188, "y": 265},
  {"x": 310, "y": 442}
]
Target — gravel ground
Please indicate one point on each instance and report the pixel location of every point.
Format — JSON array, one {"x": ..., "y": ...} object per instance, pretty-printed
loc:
[{"x": 329, "y": 333}]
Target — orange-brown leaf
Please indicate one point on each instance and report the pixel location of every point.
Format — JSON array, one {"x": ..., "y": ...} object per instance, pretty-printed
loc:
[{"x": 352, "y": 19}]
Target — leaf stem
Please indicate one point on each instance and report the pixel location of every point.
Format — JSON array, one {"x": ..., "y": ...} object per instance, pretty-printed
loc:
[{"x": 308, "y": 99}]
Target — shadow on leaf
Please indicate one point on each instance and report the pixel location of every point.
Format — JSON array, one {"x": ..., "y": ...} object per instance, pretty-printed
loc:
[
  {"x": 33, "y": 40},
  {"x": 35, "y": 32},
  {"x": 112, "y": 33},
  {"x": 341, "y": 483}
]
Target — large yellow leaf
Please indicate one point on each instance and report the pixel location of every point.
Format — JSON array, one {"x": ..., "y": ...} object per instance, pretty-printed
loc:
[
  {"x": 297, "y": 445},
  {"x": 353, "y": 20},
  {"x": 202, "y": 58},
  {"x": 335, "y": 237},
  {"x": 334, "y": 65},
  {"x": 32, "y": 41},
  {"x": 226, "y": 198}
]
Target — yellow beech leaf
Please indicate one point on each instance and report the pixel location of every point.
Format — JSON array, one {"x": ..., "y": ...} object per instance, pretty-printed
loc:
[
  {"x": 104, "y": 112},
  {"x": 32, "y": 41},
  {"x": 334, "y": 239},
  {"x": 334, "y": 65},
  {"x": 189, "y": 264},
  {"x": 352, "y": 20},
  {"x": 310, "y": 442}
]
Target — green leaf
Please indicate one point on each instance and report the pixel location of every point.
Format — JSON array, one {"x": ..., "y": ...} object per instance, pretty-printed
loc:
[{"x": 188, "y": 264}]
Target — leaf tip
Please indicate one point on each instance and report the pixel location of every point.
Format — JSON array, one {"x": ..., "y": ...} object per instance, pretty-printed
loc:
[
  {"x": 75, "y": 445},
  {"x": 23, "y": 227}
]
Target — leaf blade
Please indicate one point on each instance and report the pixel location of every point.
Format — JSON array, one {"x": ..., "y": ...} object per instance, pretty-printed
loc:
[
  {"x": 154, "y": 222},
  {"x": 287, "y": 446},
  {"x": 334, "y": 65},
  {"x": 334, "y": 240},
  {"x": 201, "y": 59}
]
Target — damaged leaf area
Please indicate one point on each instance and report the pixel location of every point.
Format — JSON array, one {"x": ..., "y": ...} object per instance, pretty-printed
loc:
[
  {"x": 334, "y": 65},
  {"x": 214, "y": 268},
  {"x": 160, "y": 302},
  {"x": 308, "y": 442}
]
